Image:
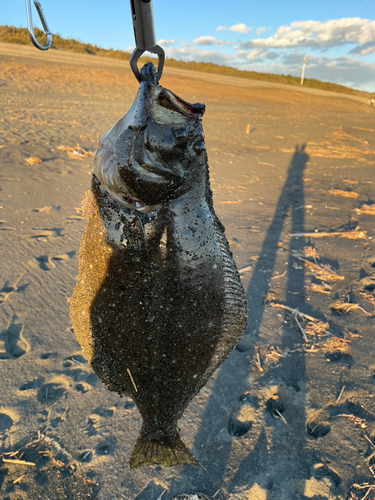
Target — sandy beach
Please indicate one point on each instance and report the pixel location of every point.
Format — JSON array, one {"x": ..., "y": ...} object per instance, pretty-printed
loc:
[{"x": 290, "y": 415}]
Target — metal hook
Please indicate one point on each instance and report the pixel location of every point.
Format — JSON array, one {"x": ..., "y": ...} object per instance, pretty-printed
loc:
[
  {"x": 137, "y": 53},
  {"x": 30, "y": 26},
  {"x": 144, "y": 33}
]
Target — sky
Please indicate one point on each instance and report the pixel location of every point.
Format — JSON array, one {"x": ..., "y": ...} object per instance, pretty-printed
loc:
[{"x": 336, "y": 36}]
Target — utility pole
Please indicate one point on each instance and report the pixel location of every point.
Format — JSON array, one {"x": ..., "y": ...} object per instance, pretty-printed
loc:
[{"x": 303, "y": 69}]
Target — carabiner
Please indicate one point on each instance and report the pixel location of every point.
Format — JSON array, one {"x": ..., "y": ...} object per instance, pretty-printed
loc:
[{"x": 30, "y": 26}]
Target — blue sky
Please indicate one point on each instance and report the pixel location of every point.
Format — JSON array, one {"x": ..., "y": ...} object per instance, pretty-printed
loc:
[{"x": 337, "y": 36}]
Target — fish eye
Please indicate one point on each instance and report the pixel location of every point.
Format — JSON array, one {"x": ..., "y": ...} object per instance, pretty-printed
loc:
[
  {"x": 181, "y": 134},
  {"x": 198, "y": 147}
]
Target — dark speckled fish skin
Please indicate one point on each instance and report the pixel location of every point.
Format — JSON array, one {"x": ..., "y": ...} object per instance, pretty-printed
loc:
[{"x": 158, "y": 304}]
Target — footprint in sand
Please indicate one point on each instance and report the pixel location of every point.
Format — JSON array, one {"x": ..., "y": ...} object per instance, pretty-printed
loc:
[
  {"x": 317, "y": 424},
  {"x": 241, "y": 420},
  {"x": 5, "y": 422},
  {"x": 8, "y": 417},
  {"x": 53, "y": 390},
  {"x": 104, "y": 412},
  {"x": 44, "y": 234},
  {"x": 107, "y": 446},
  {"x": 76, "y": 358},
  {"x": 93, "y": 424},
  {"x": 14, "y": 287},
  {"x": 82, "y": 387},
  {"x": 48, "y": 355},
  {"x": 12, "y": 343},
  {"x": 32, "y": 384},
  {"x": 155, "y": 489},
  {"x": 83, "y": 375},
  {"x": 47, "y": 262}
]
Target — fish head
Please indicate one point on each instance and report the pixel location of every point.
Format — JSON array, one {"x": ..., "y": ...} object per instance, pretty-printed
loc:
[{"x": 156, "y": 151}]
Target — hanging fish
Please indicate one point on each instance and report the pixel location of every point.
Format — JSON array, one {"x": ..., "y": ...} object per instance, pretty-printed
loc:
[{"x": 158, "y": 303}]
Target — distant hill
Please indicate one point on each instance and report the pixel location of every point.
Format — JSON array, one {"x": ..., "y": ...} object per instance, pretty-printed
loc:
[{"x": 10, "y": 34}]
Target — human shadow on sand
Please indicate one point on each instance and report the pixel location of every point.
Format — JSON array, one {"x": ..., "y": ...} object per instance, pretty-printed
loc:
[{"x": 281, "y": 466}]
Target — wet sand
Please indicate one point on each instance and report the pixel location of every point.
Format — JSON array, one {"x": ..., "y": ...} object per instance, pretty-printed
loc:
[{"x": 291, "y": 413}]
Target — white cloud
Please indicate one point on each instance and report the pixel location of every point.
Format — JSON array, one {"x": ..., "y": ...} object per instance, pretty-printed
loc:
[
  {"x": 318, "y": 34},
  {"x": 194, "y": 54},
  {"x": 212, "y": 57},
  {"x": 262, "y": 30},
  {"x": 256, "y": 54},
  {"x": 206, "y": 40},
  {"x": 180, "y": 52},
  {"x": 211, "y": 40},
  {"x": 236, "y": 28},
  {"x": 341, "y": 70},
  {"x": 363, "y": 50},
  {"x": 166, "y": 43}
]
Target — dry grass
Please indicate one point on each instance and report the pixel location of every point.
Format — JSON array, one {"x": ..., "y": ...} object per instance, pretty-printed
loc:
[
  {"x": 338, "y": 144},
  {"x": 349, "y": 181},
  {"x": 366, "y": 209},
  {"x": 33, "y": 160},
  {"x": 345, "y": 194},
  {"x": 77, "y": 153},
  {"x": 321, "y": 288},
  {"x": 322, "y": 272},
  {"x": 350, "y": 235},
  {"x": 10, "y": 34},
  {"x": 308, "y": 325},
  {"x": 310, "y": 253},
  {"x": 368, "y": 297},
  {"x": 346, "y": 307}
]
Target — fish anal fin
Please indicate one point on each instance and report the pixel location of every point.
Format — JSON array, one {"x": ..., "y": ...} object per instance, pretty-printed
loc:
[{"x": 164, "y": 452}]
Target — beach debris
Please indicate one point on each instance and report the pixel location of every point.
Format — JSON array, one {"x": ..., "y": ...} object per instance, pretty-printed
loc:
[
  {"x": 364, "y": 486},
  {"x": 19, "y": 479},
  {"x": 43, "y": 209},
  {"x": 267, "y": 356},
  {"x": 369, "y": 297},
  {"x": 321, "y": 271},
  {"x": 310, "y": 253},
  {"x": 18, "y": 462},
  {"x": 308, "y": 325},
  {"x": 321, "y": 288},
  {"x": 245, "y": 269},
  {"x": 336, "y": 347},
  {"x": 346, "y": 307},
  {"x": 38, "y": 455},
  {"x": 366, "y": 209},
  {"x": 276, "y": 407},
  {"x": 77, "y": 153},
  {"x": 340, "y": 394},
  {"x": 277, "y": 276},
  {"x": 159, "y": 303},
  {"x": 193, "y": 496},
  {"x": 345, "y": 194},
  {"x": 33, "y": 160},
  {"x": 356, "y": 420},
  {"x": 350, "y": 235}
]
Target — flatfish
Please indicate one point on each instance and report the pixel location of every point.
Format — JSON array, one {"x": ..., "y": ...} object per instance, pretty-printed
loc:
[{"x": 158, "y": 303}]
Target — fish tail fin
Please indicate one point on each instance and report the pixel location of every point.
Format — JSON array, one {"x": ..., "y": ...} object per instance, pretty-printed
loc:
[{"x": 163, "y": 452}]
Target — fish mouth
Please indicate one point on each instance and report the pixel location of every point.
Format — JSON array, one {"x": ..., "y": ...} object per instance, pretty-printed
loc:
[{"x": 144, "y": 160}]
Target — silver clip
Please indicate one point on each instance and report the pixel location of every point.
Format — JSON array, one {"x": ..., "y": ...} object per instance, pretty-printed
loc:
[
  {"x": 30, "y": 26},
  {"x": 144, "y": 33}
]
